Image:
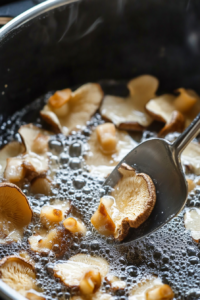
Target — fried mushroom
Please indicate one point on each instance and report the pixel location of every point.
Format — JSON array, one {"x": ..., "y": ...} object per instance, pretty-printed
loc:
[
  {"x": 192, "y": 223},
  {"x": 18, "y": 273},
  {"x": 44, "y": 241},
  {"x": 176, "y": 112},
  {"x": 191, "y": 157},
  {"x": 129, "y": 113},
  {"x": 12, "y": 149},
  {"x": 74, "y": 225},
  {"x": 101, "y": 163},
  {"x": 151, "y": 288},
  {"x": 35, "y": 140},
  {"x": 83, "y": 272},
  {"x": 41, "y": 185},
  {"x": 115, "y": 283},
  {"x": 129, "y": 205},
  {"x": 15, "y": 212},
  {"x": 75, "y": 110},
  {"x": 51, "y": 215}
]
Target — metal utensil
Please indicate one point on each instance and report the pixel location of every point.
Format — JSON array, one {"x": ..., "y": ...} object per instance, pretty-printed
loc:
[{"x": 161, "y": 161}]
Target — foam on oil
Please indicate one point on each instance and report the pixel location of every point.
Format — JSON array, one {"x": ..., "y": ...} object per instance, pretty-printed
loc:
[{"x": 169, "y": 253}]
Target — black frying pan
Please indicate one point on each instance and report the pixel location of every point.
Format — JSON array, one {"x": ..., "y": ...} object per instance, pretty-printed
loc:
[{"x": 64, "y": 43}]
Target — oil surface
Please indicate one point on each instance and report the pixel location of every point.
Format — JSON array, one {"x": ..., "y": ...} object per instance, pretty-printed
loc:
[{"x": 170, "y": 253}]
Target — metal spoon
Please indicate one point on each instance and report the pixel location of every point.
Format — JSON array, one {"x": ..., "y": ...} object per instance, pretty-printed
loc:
[{"x": 161, "y": 161}]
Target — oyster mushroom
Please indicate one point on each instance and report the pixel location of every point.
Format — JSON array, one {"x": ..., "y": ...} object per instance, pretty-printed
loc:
[
  {"x": 101, "y": 163},
  {"x": 191, "y": 185},
  {"x": 73, "y": 110},
  {"x": 83, "y": 272},
  {"x": 176, "y": 112},
  {"x": 115, "y": 283},
  {"x": 15, "y": 170},
  {"x": 151, "y": 288},
  {"x": 35, "y": 140},
  {"x": 74, "y": 225},
  {"x": 129, "y": 113},
  {"x": 192, "y": 223},
  {"x": 18, "y": 273},
  {"x": 129, "y": 205},
  {"x": 10, "y": 150},
  {"x": 51, "y": 215},
  {"x": 191, "y": 157},
  {"x": 44, "y": 243},
  {"x": 15, "y": 212}
]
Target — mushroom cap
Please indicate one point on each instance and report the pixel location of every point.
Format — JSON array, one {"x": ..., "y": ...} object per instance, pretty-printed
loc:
[
  {"x": 176, "y": 112},
  {"x": 59, "y": 98},
  {"x": 129, "y": 113},
  {"x": 82, "y": 104},
  {"x": 18, "y": 273},
  {"x": 73, "y": 271},
  {"x": 35, "y": 140},
  {"x": 129, "y": 205},
  {"x": 191, "y": 157},
  {"x": 15, "y": 207},
  {"x": 163, "y": 109},
  {"x": 192, "y": 223},
  {"x": 102, "y": 164},
  {"x": 140, "y": 289},
  {"x": 10, "y": 150}
]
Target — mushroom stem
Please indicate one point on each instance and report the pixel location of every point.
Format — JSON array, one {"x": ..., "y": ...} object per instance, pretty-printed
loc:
[
  {"x": 90, "y": 282},
  {"x": 74, "y": 225}
]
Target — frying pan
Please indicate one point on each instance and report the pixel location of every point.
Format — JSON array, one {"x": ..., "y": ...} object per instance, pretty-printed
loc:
[{"x": 62, "y": 43}]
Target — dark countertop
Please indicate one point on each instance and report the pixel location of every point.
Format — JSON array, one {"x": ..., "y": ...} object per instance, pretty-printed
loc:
[{"x": 14, "y": 8}]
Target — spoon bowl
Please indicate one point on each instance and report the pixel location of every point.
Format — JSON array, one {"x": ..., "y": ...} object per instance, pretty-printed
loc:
[{"x": 161, "y": 161}]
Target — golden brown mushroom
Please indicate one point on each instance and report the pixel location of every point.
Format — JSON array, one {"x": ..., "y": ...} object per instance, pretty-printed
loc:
[
  {"x": 75, "y": 111},
  {"x": 176, "y": 112},
  {"x": 75, "y": 225},
  {"x": 129, "y": 113},
  {"x": 106, "y": 136},
  {"x": 101, "y": 163},
  {"x": 82, "y": 271},
  {"x": 18, "y": 273},
  {"x": 129, "y": 205},
  {"x": 15, "y": 212},
  {"x": 191, "y": 185},
  {"x": 51, "y": 215}
]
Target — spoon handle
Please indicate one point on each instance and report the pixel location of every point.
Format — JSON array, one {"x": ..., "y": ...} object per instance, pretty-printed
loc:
[{"x": 187, "y": 136}]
